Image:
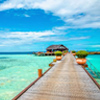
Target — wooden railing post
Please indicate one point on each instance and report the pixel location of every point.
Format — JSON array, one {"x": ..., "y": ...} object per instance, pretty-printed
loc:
[{"x": 39, "y": 72}]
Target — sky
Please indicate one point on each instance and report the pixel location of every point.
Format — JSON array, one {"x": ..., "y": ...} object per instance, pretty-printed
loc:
[{"x": 33, "y": 25}]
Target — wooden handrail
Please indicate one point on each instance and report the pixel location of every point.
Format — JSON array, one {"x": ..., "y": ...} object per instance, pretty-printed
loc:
[
  {"x": 93, "y": 68},
  {"x": 92, "y": 78},
  {"x": 92, "y": 65}
]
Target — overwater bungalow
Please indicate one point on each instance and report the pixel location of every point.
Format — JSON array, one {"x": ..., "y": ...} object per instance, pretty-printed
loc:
[{"x": 53, "y": 48}]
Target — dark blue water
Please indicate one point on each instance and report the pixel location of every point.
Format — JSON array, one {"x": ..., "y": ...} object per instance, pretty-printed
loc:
[
  {"x": 30, "y": 52},
  {"x": 16, "y": 53}
]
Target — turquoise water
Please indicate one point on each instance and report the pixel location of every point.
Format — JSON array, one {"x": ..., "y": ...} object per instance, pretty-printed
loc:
[
  {"x": 18, "y": 71},
  {"x": 95, "y": 60}
]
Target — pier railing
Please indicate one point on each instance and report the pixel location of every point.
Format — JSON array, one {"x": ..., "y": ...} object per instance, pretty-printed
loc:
[{"x": 94, "y": 70}]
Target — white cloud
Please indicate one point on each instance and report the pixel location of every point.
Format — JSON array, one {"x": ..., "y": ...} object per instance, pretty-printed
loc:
[
  {"x": 77, "y": 13},
  {"x": 79, "y": 38},
  {"x": 25, "y": 35},
  {"x": 95, "y": 45},
  {"x": 26, "y": 15},
  {"x": 2, "y": 45},
  {"x": 18, "y": 38}
]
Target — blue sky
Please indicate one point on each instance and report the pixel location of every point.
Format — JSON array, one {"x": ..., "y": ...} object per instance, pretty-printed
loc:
[{"x": 33, "y": 25}]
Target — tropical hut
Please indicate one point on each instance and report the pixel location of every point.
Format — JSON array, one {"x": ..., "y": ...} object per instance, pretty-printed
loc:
[{"x": 53, "y": 48}]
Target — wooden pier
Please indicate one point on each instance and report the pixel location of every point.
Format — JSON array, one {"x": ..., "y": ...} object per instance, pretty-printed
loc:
[{"x": 65, "y": 81}]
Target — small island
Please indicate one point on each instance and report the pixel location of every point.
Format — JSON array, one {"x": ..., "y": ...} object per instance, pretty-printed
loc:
[{"x": 94, "y": 52}]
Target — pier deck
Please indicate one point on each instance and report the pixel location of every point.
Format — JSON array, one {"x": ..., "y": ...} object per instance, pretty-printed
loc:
[{"x": 65, "y": 81}]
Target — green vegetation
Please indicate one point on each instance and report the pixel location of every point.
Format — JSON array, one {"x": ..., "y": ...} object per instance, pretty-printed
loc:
[
  {"x": 82, "y": 54},
  {"x": 73, "y": 51},
  {"x": 58, "y": 53},
  {"x": 65, "y": 51}
]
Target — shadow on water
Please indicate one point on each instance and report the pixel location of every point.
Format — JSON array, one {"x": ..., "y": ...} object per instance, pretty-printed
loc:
[{"x": 4, "y": 57}]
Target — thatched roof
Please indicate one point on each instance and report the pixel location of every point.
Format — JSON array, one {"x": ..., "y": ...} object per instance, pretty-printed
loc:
[{"x": 57, "y": 47}]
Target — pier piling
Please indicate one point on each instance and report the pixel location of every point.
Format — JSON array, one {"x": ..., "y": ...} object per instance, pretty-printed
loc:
[{"x": 39, "y": 72}]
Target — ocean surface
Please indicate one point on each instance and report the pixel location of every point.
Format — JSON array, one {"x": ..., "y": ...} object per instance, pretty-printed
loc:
[
  {"x": 95, "y": 61},
  {"x": 17, "y": 71}
]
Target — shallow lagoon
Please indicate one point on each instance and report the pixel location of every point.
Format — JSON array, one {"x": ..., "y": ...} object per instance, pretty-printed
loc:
[
  {"x": 95, "y": 60},
  {"x": 18, "y": 71}
]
